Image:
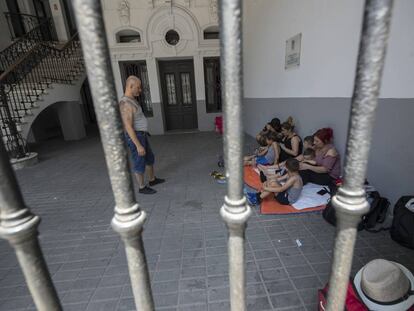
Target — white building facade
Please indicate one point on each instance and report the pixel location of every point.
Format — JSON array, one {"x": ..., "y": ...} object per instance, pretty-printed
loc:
[{"x": 173, "y": 47}]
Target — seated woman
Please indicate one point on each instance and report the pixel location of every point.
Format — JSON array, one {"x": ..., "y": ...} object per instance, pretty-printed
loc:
[
  {"x": 291, "y": 145},
  {"x": 270, "y": 156},
  {"x": 290, "y": 191},
  {"x": 328, "y": 162},
  {"x": 272, "y": 126}
]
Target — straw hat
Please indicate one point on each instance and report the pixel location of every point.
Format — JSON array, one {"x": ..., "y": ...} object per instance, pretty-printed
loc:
[{"x": 385, "y": 285}]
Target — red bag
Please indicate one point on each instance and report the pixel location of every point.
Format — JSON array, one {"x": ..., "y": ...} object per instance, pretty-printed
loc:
[
  {"x": 218, "y": 122},
  {"x": 352, "y": 301}
]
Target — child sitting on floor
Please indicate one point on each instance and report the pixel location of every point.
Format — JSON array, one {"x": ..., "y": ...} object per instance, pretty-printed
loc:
[
  {"x": 308, "y": 142},
  {"x": 258, "y": 152},
  {"x": 268, "y": 156},
  {"x": 309, "y": 156},
  {"x": 285, "y": 194}
]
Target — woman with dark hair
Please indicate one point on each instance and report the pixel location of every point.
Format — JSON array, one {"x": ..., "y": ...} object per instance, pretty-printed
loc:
[
  {"x": 291, "y": 145},
  {"x": 328, "y": 162},
  {"x": 272, "y": 126}
]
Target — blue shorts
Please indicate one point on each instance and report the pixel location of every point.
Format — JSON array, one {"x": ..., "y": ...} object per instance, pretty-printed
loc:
[
  {"x": 261, "y": 160},
  {"x": 139, "y": 162}
]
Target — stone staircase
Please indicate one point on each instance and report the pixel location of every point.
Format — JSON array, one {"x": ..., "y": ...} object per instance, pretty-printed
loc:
[{"x": 26, "y": 85}]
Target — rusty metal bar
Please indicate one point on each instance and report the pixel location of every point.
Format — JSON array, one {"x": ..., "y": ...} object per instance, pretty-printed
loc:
[
  {"x": 129, "y": 219},
  {"x": 235, "y": 212},
  {"x": 350, "y": 202},
  {"x": 19, "y": 226}
]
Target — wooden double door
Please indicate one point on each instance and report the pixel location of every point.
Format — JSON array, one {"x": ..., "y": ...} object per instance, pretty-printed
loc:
[{"x": 178, "y": 94}]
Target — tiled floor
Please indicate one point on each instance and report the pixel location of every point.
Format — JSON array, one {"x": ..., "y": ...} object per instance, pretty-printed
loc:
[{"x": 184, "y": 237}]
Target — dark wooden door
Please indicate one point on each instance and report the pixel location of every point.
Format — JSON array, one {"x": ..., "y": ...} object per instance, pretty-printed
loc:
[
  {"x": 16, "y": 22},
  {"x": 40, "y": 9},
  {"x": 70, "y": 16},
  {"x": 178, "y": 94}
]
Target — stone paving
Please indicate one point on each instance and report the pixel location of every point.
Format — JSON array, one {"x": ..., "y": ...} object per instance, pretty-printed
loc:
[{"x": 184, "y": 237}]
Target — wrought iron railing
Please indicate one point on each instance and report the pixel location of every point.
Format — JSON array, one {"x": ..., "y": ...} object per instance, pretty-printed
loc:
[
  {"x": 20, "y": 227},
  {"x": 22, "y": 84},
  {"x": 43, "y": 32}
]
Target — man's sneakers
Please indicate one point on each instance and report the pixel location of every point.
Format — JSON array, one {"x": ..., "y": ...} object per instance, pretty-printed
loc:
[
  {"x": 147, "y": 190},
  {"x": 156, "y": 181}
]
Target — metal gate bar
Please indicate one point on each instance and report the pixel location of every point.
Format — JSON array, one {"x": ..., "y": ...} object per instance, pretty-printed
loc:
[
  {"x": 235, "y": 212},
  {"x": 19, "y": 226},
  {"x": 350, "y": 202},
  {"x": 129, "y": 219}
]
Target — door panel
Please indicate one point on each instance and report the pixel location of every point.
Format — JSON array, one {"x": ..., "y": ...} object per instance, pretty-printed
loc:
[
  {"x": 15, "y": 18},
  {"x": 178, "y": 92}
]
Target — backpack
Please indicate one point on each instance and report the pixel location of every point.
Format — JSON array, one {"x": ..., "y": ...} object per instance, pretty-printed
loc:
[
  {"x": 377, "y": 212},
  {"x": 352, "y": 302},
  {"x": 402, "y": 229}
]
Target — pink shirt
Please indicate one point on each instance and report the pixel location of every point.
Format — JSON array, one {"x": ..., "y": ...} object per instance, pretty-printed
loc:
[{"x": 332, "y": 164}]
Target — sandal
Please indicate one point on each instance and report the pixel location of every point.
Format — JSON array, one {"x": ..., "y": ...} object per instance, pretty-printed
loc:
[{"x": 214, "y": 173}]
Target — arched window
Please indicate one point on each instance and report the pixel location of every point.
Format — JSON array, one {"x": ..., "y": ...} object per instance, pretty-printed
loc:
[
  {"x": 211, "y": 32},
  {"x": 128, "y": 36}
]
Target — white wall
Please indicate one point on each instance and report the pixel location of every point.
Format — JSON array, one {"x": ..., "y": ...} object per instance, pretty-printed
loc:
[
  {"x": 318, "y": 93},
  {"x": 59, "y": 19},
  {"x": 330, "y": 38}
]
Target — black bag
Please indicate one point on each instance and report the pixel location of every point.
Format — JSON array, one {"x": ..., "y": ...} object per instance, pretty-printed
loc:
[
  {"x": 402, "y": 230},
  {"x": 377, "y": 212}
]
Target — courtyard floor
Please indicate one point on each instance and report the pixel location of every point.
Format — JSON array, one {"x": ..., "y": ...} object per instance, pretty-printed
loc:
[{"x": 288, "y": 257}]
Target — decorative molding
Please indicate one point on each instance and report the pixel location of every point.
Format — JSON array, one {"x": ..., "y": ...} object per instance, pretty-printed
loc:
[
  {"x": 187, "y": 3},
  {"x": 214, "y": 10},
  {"x": 151, "y": 3},
  {"x": 124, "y": 12}
]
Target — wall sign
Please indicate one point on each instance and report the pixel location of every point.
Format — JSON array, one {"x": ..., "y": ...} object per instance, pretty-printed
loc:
[{"x": 292, "y": 58}]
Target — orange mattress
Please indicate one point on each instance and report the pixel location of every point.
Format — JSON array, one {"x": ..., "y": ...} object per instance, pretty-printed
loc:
[{"x": 270, "y": 206}]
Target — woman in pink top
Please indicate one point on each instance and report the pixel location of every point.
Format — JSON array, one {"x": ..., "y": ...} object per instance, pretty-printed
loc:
[{"x": 328, "y": 162}]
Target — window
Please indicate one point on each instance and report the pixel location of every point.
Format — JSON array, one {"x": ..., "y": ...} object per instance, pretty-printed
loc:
[
  {"x": 186, "y": 88},
  {"x": 212, "y": 84},
  {"x": 139, "y": 69},
  {"x": 171, "y": 95},
  {"x": 211, "y": 33},
  {"x": 172, "y": 37},
  {"x": 128, "y": 36}
]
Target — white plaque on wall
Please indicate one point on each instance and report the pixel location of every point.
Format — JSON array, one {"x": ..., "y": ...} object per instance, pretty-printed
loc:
[{"x": 292, "y": 58}]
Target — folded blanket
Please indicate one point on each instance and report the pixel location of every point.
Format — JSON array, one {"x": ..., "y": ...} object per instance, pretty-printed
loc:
[{"x": 310, "y": 197}]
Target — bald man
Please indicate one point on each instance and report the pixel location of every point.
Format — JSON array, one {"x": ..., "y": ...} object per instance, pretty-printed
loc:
[{"x": 136, "y": 128}]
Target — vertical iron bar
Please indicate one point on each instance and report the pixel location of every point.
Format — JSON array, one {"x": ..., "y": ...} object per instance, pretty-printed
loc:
[
  {"x": 19, "y": 226},
  {"x": 350, "y": 202},
  {"x": 129, "y": 219},
  {"x": 235, "y": 212}
]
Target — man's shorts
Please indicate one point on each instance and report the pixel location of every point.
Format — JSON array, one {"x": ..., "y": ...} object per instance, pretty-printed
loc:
[{"x": 139, "y": 162}]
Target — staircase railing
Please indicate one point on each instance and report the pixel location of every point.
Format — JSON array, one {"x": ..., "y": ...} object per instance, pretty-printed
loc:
[
  {"x": 43, "y": 32},
  {"x": 22, "y": 84}
]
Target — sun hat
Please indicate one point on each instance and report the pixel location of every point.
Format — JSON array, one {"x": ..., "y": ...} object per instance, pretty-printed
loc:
[{"x": 385, "y": 286}]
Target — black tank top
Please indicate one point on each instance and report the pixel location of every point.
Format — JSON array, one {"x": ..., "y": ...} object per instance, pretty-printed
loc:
[{"x": 288, "y": 144}]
